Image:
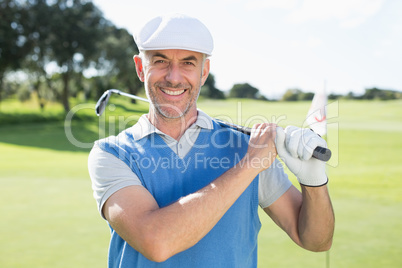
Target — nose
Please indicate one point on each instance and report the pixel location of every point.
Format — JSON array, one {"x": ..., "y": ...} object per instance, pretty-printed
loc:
[{"x": 174, "y": 75}]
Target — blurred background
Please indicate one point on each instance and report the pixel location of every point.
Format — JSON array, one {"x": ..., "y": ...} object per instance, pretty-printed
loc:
[{"x": 57, "y": 57}]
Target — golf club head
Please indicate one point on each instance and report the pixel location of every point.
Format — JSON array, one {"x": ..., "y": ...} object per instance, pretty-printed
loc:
[{"x": 102, "y": 102}]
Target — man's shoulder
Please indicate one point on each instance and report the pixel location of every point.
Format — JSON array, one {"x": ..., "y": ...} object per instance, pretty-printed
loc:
[{"x": 123, "y": 138}]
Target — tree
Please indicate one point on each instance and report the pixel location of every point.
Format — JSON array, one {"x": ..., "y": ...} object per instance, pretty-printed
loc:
[
  {"x": 71, "y": 34},
  {"x": 116, "y": 60},
  {"x": 334, "y": 96},
  {"x": 295, "y": 94},
  {"x": 76, "y": 31},
  {"x": 209, "y": 90},
  {"x": 243, "y": 91},
  {"x": 291, "y": 94},
  {"x": 38, "y": 25},
  {"x": 13, "y": 43},
  {"x": 306, "y": 96},
  {"x": 381, "y": 94}
]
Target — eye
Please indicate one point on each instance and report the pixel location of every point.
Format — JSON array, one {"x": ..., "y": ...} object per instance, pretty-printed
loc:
[{"x": 190, "y": 63}]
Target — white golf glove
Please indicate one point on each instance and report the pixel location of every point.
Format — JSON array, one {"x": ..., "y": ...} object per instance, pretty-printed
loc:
[{"x": 295, "y": 147}]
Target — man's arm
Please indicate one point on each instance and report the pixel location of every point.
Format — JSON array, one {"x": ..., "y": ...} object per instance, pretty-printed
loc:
[
  {"x": 307, "y": 217},
  {"x": 159, "y": 233}
]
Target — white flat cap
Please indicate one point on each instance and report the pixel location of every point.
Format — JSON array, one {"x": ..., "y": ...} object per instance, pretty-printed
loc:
[{"x": 175, "y": 32}]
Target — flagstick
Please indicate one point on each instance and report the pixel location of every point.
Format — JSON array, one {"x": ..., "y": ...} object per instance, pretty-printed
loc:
[
  {"x": 317, "y": 120},
  {"x": 327, "y": 255}
]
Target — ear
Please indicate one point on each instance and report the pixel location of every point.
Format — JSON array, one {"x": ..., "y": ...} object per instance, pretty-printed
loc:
[
  {"x": 205, "y": 72},
  {"x": 139, "y": 67}
]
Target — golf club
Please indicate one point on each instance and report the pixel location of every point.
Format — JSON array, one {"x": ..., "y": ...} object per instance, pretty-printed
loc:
[{"x": 320, "y": 153}]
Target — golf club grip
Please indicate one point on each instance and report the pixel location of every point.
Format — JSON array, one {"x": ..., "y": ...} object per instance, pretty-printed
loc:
[{"x": 320, "y": 153}]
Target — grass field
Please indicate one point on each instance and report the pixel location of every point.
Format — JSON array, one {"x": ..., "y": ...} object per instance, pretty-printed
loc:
[{"x": 49, "y": 218}]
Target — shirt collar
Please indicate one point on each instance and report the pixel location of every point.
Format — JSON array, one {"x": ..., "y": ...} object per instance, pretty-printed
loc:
[{"x": 144, "y": 127}]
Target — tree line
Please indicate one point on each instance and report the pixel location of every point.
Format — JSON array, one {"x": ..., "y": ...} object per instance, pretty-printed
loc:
[
  {"x": 59, "y": 49},
  {"x": 369, "y": 94},
  {"x": 50, "y": 45}
]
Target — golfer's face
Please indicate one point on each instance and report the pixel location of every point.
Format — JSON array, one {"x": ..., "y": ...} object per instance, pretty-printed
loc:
[{"x": 173, "y": 79}]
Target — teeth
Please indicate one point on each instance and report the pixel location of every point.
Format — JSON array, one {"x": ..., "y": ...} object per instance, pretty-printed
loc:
[{"x": 173, "y": 93}]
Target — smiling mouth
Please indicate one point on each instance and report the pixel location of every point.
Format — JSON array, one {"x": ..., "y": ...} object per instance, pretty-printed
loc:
[{"x": 173, "y": 92}]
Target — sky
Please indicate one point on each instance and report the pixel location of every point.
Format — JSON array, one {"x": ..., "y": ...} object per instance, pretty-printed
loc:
[{"x": 342, "y": 46}]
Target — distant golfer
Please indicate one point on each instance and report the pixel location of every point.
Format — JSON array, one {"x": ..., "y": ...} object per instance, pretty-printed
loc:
[{"x": 180, "y": 190}]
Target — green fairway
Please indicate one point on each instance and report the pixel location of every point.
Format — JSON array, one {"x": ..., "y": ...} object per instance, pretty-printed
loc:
[{"x": 49, "y": 218}]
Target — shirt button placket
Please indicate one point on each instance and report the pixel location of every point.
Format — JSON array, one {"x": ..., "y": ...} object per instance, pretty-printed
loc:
[{"x": 180, "y": 150}]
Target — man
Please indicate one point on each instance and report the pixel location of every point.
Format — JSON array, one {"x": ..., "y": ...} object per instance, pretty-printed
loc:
[{"x": 179, "y": 189}]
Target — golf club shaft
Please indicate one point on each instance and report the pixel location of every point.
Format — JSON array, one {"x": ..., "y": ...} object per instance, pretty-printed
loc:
[
  {"x": 129, "y": 95},
  {"x": 321, "y": 153}
]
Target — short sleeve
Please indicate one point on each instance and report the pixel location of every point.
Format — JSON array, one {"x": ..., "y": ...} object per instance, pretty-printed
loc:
[
  {"x": 273, "y": 183},
  {"x": 108, "y": 175}
]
